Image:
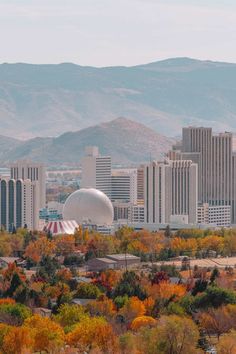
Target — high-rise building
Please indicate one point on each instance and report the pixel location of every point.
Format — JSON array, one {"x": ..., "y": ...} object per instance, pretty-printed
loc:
[
  {"x": 216, "y": 157},
  {"x": 170, "y": 190},
  {"x": 96, "y": 171},
  {"x": 34, "y": 172},
  {"x": 124, "y": 186},
  {"x": 19, "y": 204},
  {"x": 140, "y": 185}
]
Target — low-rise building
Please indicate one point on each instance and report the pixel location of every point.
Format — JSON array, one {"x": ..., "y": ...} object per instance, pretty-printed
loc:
[
  {"x": 218, "y": 215},
  {"x": 113, "y": 261},
  {"x": 99, "y": 264},
  {"x": 124, "y": 260}
]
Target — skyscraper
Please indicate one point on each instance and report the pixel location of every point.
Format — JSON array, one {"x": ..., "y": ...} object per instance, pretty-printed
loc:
[
  {"x": 216, "y": 157},
  {"x": 170, "y": 191},
  {"x": 96, "y": 171},
  {"x": 19, "y": 204},
  {"x": 34, "y": 172},
  {"x": 124, "y": 186}
]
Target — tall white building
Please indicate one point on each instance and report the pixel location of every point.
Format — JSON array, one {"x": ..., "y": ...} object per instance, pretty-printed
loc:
[
  {"x": 170, "y": 191},
  {"x": 34, "y": 172},
  {"x": 96, "y": 171},
  {"x": 19, "y": 204},
  {"x": 124, "y": 186}
]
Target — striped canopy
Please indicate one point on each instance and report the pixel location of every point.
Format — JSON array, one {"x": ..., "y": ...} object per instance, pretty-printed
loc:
[{"x": 62, "y": 227}]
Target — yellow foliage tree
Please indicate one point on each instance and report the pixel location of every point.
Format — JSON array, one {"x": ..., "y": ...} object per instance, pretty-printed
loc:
[
  {"x": 93, "y": 333},
  {"x": 48, "y": 335}
]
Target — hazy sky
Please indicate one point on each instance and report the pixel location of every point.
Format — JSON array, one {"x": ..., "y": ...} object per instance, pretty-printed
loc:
[{"x": 116, "y": 32}]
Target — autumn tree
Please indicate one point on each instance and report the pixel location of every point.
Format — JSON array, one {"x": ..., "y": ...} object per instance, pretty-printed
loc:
[
  {"x": 18, "y": 340},
  {"x": 65, "y": 244},
  {"x": 143, "y": 321},
  {"x": 172, "y": 334},
  {"x": 102, "y": 307},
  {"x": 92, "y": 333},
  {"x": 88, "y": 291},
  {"x": 227, "y": 343},
  {"x": 69, "y": 315},
  {"x": 48, "y": 335},
  {"x": 159, "y": 277},
  {"x": 39, "y": 248},
  {"x": 133, "y": 308}
]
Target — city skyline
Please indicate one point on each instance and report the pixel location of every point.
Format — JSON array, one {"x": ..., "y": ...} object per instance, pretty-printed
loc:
[{"x": 108, "y": 34}]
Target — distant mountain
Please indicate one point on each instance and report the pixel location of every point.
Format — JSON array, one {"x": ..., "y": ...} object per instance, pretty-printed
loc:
[
  {"x": 47, "y": 100},
  {"x": 126, "y": 141}
]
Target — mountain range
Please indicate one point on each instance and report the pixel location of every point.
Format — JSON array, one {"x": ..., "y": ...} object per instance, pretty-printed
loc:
[
  {"x": 127, "y": 142},
  {"x": 48, "y": 100}
]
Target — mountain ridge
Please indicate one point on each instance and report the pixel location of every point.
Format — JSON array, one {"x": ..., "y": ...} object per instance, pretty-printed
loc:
[
  {"x": 127, "y": 142},
  {"x": 48, "y": 99}
]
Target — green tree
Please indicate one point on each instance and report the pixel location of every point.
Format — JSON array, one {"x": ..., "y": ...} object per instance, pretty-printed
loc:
[
  {"x": 129, "y": 285},
  {"x": 88, "y": 291}
]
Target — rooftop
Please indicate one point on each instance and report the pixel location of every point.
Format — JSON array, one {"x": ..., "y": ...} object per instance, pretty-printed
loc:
[{"x": 122, "y": 256}]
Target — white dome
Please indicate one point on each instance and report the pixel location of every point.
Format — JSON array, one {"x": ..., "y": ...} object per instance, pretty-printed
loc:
[{"x": 88, "y": 205}]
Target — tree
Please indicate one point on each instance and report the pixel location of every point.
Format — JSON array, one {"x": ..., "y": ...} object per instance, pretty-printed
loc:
[
  {"x": 168, "y": 292},
  {"x": 47, "y": 268},
  {"x": 218, "y": 321},
  {"x": 69, "y": 315},
  {"x": 214, "y": 297},
  {"x": 133, "y": 308},
  {"x": 14, "y": 314},
  {"x": 17, "y": 340},
  {"x": 65, "y": 244},
  {"x": 199, "y": 287},
  {"x": 143, "y": 321},
  {"x": 102, "y": 307},
  {"x": 88, "y": 291},
  {"x": 172, "y": 335},
  {"x": 128, "y": 343},
  {"x": 214, "y": 274},
  {"x": 159, "y": 277},
  {"x": 167, "y": 232},
  {"x": 48, "y": 335},
  {"x": 215, "y": 321},
  {"x": 92, "y": 333},
  {"x": 42, "y": 247},
  {"x": 129, "y": 285},
  {"x": 227, "y": 343}
]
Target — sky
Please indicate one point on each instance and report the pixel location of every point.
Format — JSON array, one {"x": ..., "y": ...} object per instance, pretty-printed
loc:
[{"x": 116, "y": 32}]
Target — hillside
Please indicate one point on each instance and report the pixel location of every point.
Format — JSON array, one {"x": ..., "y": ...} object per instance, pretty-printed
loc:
[
  {"x": 126, "y": 141},
  {"x": 47, "y": 100}
]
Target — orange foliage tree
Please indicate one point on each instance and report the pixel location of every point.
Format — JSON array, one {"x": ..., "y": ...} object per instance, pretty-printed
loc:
[
  {"x": 133, "y": 308},
  {"x": 102, "y": 307},
  {"x": 167, "y": 291},
  {"x": 65, "y": 244},
  {"x": 143, "y": 321},
  {"x": 39, "y": 248},
  {"x": 18, "y": 340}
]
